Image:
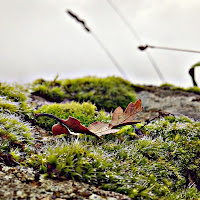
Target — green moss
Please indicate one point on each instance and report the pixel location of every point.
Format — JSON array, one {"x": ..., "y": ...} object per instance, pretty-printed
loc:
[
  {"x": 53, "y": 83},
  {"x": 54, "y": 94},
  {"x": 13, "y": 92},
  {"x": 85, "y": 112},
  {"x": 73, "y": 161},
  {"x": 14, "y": 100},
  {"x": 183, "y": 136},
  {"x": 8, "y": 107},
  {"x": 194, "y": 89},
  {"x": 156, "y": 166},
  {"x": 167, "y": 85},
  {"x": 15, "y": 135},
  {"x": 50, "y": 90},
  {"x": 107, "y": 93},
  {"x": 161, "y": 165}
]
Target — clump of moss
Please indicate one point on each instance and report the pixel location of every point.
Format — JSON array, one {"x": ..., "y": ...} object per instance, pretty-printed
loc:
[
  {"x": 13, "y": 92},
  {"x": 159, "y": 165},
  {"x": 15, "y": 135},
  {"x": 54, "y": 94},
  {"x": 107, "y": 93},
  {"x": 50, "y": 90},
  {"x": 183, "y": 139},
  {"x": 166, "y": 85},
  {"x": 194, "y": 89},
  {"x": 8, "y": 106},
  {"x": 85, "y": 112},
  {"x": 72, "y": 160},
  {"x": 14, "y": 100}
]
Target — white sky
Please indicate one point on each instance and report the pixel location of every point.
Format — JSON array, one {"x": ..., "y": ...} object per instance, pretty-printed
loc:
[{"x": 39, "y": 40}]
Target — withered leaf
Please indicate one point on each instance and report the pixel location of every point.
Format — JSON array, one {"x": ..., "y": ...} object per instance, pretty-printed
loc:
[
  {"x": 75, "y": 125},
  {"x": 101, "y": 128},
  {"x": 58, "y": 129},
  {"x": 97, "y": 129},
  {"x": 120, "y": 118}
]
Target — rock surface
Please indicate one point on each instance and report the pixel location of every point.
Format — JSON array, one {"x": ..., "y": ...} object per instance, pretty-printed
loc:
[
  {"x": 179, "y": 103},
  {"x": 24, "y": 183}
]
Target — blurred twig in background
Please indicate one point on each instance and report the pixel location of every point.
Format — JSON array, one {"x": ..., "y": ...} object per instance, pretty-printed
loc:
[
  {"x": 136, "y": 36},
  {"x": 114, "y": 61}
]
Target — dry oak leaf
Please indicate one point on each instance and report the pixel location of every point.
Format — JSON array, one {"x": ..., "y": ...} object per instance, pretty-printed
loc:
[
  {"x": 120, "y": 118},
  {"x": 97, "y": 128},
  {"x": 101, "y": 128}
]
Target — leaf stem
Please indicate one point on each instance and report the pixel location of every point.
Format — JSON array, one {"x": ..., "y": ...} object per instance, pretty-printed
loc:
[{"x": 53, "y": 117}]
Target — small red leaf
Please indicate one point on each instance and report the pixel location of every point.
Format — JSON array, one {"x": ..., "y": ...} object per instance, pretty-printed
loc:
[
  {"x": 58, "y": 129},
  {"x": 75, "y": 125}
]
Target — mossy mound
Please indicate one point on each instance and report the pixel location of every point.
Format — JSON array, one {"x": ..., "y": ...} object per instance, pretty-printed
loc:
[
  {"x": 16, "y": 136},
  {"x": 194, "y": 89},
  {"x": 107, "y": 93},
  {"x": 14, "y": 100},
  {"x": 14, "y": 133},
  {"x": 14, "y": 92},
  {"x": 163, "y": 164}
]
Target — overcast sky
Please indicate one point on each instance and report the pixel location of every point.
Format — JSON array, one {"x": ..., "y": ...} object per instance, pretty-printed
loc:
[{"x": 39, "y": 40}]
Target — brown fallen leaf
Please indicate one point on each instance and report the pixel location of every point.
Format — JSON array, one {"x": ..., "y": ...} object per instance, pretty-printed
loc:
[
  {"x": 58, "y": 129},
  {"x": 76, "y": 125},
  {"x": 97, "y": 129},
  {"x": 63, "y": 125},
  {"x": 120, "y": 118},
  {"x": 101, "y": 128}
]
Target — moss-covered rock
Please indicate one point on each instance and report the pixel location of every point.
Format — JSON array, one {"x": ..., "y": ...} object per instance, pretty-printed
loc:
[
  {"x": 16, "y": 137},
  {"x": 107, "y": 93},
  {"x": 163, "y": 164},
  {"x": 160, "y": 165}
]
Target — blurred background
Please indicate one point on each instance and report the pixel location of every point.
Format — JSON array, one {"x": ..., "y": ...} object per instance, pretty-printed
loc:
[{"x": 39, "y": 40}]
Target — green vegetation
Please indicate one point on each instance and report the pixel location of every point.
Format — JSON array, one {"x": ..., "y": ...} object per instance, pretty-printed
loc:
[
  {"x": 194, "y": 89},
  {"x": 54, "y": 94},
  {"x": 14, "y": 92},
  {"x": 15, "y": 133},
  {"x": 16, "y": 136},
  {"x": 85, "y": 112},
  {"x": 50, "y": 90},
  {"x": 164, "y": 164},
  {"x": 184, "y": 148},
  {"x": 107, "y": 93},
  {"x": 14, "y": 100}
]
